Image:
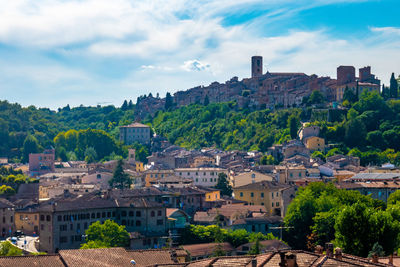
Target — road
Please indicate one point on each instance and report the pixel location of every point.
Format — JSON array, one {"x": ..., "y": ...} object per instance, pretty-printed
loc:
[{"x": 30, "y": 243}]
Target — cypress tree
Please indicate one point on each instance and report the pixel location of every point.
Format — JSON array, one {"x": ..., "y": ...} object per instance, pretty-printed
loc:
[{"x": 394, "y": 87}]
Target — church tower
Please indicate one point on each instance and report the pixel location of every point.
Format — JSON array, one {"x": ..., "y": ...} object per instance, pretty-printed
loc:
[{"x": 256, "y": 66}]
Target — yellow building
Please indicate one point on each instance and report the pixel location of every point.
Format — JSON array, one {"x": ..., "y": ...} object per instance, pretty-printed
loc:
[
  {"x": 152, "y": 176},
  {"x": 286, "y": 174},
  {"x": 139, "y": 166},
  {"x": 264, "y": 193},
  {"x": 213, "y": 195},
  {"x": 27, "y": 221},
  {"x": 314, "y": 143}
]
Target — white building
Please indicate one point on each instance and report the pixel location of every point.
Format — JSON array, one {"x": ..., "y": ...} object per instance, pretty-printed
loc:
[{"x": 201, "y": 176}]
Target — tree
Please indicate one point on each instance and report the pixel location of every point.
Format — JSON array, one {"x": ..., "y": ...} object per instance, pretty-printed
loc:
[
  {"x": 120, "y": 179},
  {"x": 108, "y": 234},
  {"x": 31, "y": 145},
  {"x": 168, "y": 101},
  {"x": 394, "y": 87},
  {"x": 223, "y": 184},
  {"x": 355, "y": 132},
  {"x": 377, "y": 250},
  {"x": 293, "y": 124},
  {"x": 316, "y": 97},
  {"x": 130, "y": 104},
  {"x": 349, "y": 95},
  {"x": 267, "y": 160},
  {"x": 256, "y": 248},
  {"x": 124, "y": 105},
  {"x": 8, "y": 249},
  {"x": 394, "y": 198},
  {"x": 90, "y": 155}
]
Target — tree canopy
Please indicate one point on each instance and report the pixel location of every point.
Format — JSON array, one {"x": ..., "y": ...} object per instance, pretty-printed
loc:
[{"x": 108, "y": 234}]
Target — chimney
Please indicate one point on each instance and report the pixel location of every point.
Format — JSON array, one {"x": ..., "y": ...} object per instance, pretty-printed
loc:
[
  {"x": 391, "y": 259},
  {"x": 283, "y": 259},
  {"x": 338, "y": 253},
  {"x": 291, "y": 260},
  {"x": 375, "y": 258},
  {"x": 174, "y": 256},
  {"x": 329, "y": 249},
  {"x": 254, "y": 262},
  {"x": 319, "y": 249}
]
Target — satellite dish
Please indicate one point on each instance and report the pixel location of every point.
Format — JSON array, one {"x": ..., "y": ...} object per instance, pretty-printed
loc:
[{"x": 133, "y": 262}]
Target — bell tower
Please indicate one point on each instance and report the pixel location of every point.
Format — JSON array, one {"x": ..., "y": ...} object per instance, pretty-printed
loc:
[{"x": 256, "y": 66}]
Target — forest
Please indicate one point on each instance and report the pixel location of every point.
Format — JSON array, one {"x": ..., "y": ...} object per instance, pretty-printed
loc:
[{"x": 368, "y": 127}]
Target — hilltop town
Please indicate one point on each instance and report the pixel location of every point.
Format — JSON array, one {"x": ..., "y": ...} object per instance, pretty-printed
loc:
[
  {"x": 268, "y": 89},
  {"x": 134, "y": 195}
]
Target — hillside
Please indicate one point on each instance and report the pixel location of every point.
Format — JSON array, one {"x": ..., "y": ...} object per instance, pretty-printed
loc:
[{"x": 370, "y": 129}]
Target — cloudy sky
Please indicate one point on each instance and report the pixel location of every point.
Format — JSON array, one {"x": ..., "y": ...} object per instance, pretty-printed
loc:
[{"x": 58, "y": 52}]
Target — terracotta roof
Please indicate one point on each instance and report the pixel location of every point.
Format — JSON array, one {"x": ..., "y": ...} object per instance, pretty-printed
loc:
[
  {"x": 205, "y": 249},
  {"x": 267, "y": 245},
  {"x": 136, "y": 124},
  {"x": 262, "y": 185},
  {"x": 29, "y": 261}
]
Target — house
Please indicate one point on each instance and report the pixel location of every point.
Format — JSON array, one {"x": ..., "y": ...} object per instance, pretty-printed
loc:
[
  {"x": 203, "y": 251},
  {"x": 259, "y": 223},
  {"x": 177, "y": 219},
  {"x": 101, "y": 179},
  {"x": 265, "y": 246},
  {"x": 380, "y": 190},
  {"x": 294, "y": 147},
  {"x": 40, "y": 163},
  {"x": 314, "y": 143},
  {"x": 287, "y": 174},
  {"x": 172, "y": 182},
  {"x": 64, "y": 220},
  {"x": 268, "y": 194},
  {"x": 27, "y": 220},
  {"x": 135, "y": 132},
  {"x": 248, "y": 178},
  {"x": 207, "y": 176},
  {"x": 308, "y": 131},
  {"x": 153, "y": 176},
  {"x": 203, "y": 161},
  {"x": 7, "y": 213}
]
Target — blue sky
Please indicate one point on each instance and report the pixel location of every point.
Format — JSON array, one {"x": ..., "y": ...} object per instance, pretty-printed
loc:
[{"x": 58, "y": 52}]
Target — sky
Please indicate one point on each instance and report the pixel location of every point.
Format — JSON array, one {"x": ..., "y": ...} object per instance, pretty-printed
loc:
[{"x": 101, "y": 52}]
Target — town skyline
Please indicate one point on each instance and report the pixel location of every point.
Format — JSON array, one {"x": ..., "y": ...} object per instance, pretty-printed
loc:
[{"x": 95, "y": 56}]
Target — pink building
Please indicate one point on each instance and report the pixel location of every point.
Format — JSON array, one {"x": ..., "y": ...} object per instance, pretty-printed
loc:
[{"x": 41, "y": 163}]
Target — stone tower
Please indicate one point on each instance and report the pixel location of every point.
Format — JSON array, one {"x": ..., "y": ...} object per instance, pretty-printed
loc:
[
  {"x": 131, "y": 156},
  {"x": 256, "y": 66}
]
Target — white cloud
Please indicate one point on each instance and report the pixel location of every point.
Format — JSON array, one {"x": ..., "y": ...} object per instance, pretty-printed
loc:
[{"x": 195, "y": 65}]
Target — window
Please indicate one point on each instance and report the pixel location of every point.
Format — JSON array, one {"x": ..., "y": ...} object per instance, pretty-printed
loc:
[
  {"x": 138, "y": 223},
  {"x": 253, "y": 228},
  {"x": 277, "y": 204},
  {"x": 71, "y": 227},
  {"x": 11, "y": 219},
  {"x": 262, "y": 194},
  {"x": 160, "y": 222},
  {"x": 123, "y": 213},
  {"x": 299, "y": 174},
  {"x": 277, "y": 193},
  {"x": 138, "y": 214},
  {"x": 152, "y": 213},
  {"x": 98, "y": 176},
  {"x": 109, "y": 214},
  {"x": 63, "y": 227},
  {"x": 63, "y": 239},
  {"x": 272, "y": 204},
  {"x": 59, "y": 218},
  {"x": 241, "y": 194},
  {"x": 42, "y": 227},
  {"x": 130, "y": 213},
  {"x": 85, "y": 226},
  {"x": 204, "y": 173},
  {"x": 93, "y": 215},
  {"x": 272, "y": 194},
  {"x": 98, "y": 215},
  {"x": 42, "y": 217},
  {"x": 159, "y": 213},
  {"x": 78, "y": 226},
  {"x": 262, "y": 203},
  {"x": 251, "y": 194}
]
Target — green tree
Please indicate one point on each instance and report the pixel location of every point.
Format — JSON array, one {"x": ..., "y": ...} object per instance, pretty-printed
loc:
[
  {"x": 31, "y": 145},
  {"x": 316, "y": 97},
  {"x": 108, "y": 234},
  {"x": 355, "y": 132},
  {"x": 267, "y": 160},
  {"x": 124, "y": 105},
  {"x": 293, "y": 124},
  {"x": 8, "y": 249},
  {"x": 168, "y": 102},
  {"x": 223, "y": 184},
  {"x": 394, "y": 198},
  {"x": 90, "y": 155},
  {"x": 256, "y": 248},
  {"x": 376, "y": 250},
  {"x": 394, "y": 87},
  {"x": 349, "y": 95},
  {"x": 120, "y": 179}
]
